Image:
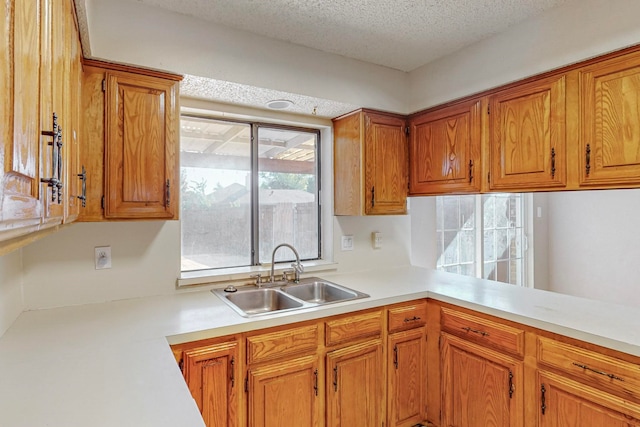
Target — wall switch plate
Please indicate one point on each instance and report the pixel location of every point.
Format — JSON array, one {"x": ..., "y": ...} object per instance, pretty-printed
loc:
[
  {"x": 347, "y": 243},
  {"x": 376, "y": 240},
  {"x": 103, "y": 257}
]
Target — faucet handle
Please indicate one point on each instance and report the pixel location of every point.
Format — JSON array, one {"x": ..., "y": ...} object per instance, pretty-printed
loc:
[
  {"x": 285, "y": 275},
  {"x": 298, "y": 267},
  {"x": 258, "y": 278}
]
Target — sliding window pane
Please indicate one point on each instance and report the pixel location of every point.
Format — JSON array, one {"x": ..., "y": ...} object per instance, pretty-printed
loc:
[
  {"x": 215, "y": 179},
  {"x": 288, "y": 193}
]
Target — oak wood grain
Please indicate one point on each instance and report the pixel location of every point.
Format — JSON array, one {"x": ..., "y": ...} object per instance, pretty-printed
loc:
[
  {"x": 355, "y": 386},
  {"x": 571, "y": 404},
  {"x": 476, "y": 383},
  {"x": 407, "y": 380},
  {"x": 528, "y": 137},
  {"x": 140, "y": 147},
  {"x": 444, "y": 150},
  {"x": 213, "y": 376},
  {"x": 353, "y": 327},
  {"x": 610, "y": 122},
  {"x": 284, "y": 394},
  {"x": 281, "y": 344}
]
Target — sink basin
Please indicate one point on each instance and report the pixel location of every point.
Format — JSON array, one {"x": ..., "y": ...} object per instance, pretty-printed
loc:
[
  {"x": 251, "y": 301},
  {"x": 320, "y": 292},
  {"x": 258, "y": 301}
]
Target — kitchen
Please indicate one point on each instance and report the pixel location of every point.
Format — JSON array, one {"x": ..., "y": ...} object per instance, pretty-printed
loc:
[{"x": 58, "y": 270}]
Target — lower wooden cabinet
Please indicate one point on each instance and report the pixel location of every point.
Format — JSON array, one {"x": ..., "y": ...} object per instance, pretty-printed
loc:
[
  {"x": 284, "y": 393},
  {"x": 480, "y": 387},
  {"x": 566, "y": 403},
  {"x": 370, "y": 368},
  {"x": 355, "y": 384},
  {"x": 407, "y": 385},
  {"x": 212, "y": 375}
]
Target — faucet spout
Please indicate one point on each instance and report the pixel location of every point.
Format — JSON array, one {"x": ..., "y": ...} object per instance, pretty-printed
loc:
[{"x": 297, "y": 266}]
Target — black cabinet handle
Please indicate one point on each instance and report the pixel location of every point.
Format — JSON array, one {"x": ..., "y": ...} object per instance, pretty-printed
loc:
[
  {"x": 588, "y": 160},
  {"x": 168, "y": 191},
  {"x": 83, "y": 177},
  {"x": 53, "y": 181}
]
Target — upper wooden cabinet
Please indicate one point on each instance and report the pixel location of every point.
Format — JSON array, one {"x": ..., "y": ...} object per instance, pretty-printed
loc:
[
  {"x": 141, "y": 147},
  {"x": 610, "y": 122},
  {"x": 131, "y": 136},
  {"x": 39, "y": 82},
  {"x": 20, "y": 208},
  {"x": 444, "y": 150},
  {"x": 527, "y": 139},
  {"x": 370, "y": 164}
]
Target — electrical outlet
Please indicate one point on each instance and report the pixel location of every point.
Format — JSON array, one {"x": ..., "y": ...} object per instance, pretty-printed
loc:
[
  {"x": 103, "y": 257},
  {"x": 347, "y": 243}
]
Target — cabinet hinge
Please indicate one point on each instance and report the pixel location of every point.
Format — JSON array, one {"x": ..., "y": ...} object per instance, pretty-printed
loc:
[
  {"x": 102, "y": 203},
  {"x": 104, "y": 85},
  {"x": 489, "y": 177},
  {"x": 246, "y": 384},
  {"x": 406, "y": 130},
  {"x": 488, "y": 109}
]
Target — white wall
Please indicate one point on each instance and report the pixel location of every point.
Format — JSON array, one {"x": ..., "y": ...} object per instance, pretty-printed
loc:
[
  {"x": 186, "y": 45},
  {"x": 59, "y": 269},
  {"x": 396, "y": 242},
  {"x": 594, "y": 244},
  {"x": 540, "y": 240},
  {"x": 11, "y": 304},
  {"x": 561, "y": 36}
]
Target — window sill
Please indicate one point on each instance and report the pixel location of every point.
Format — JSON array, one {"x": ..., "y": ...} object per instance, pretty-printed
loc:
[{"x": 202, "y": 277}]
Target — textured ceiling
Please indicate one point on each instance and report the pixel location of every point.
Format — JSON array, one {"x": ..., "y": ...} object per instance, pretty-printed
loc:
[
  {"x": 240, "y": 94},
  {"x": 400, "y": 34}
]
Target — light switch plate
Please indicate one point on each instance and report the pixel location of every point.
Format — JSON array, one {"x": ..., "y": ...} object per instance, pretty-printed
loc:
[
  {"x": 376, "y": 240},
  {"x": 347, "y": 243}
]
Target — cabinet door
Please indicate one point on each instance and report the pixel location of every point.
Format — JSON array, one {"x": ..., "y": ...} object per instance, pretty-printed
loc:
[
  {"x": 355, "y": 385},
  {"x": 566, "y": 403},
  {"x": 444, "y": 150},
  {"x": 140, "y": 147},
  {"x": 386, "y": 165},
  {"x": 285, "y": 393},
  {"x": 52, "y": 101},
  {"x": 481, "y": 387},
  {"x": 211, "y": 374},
  {"x": 20, "y": 206},
  {"x": 527, "y": 136},
  {"x": 73, "y": 70},
  {"x": 406, "y": 398},
  {"x": 610, "y": 122}
]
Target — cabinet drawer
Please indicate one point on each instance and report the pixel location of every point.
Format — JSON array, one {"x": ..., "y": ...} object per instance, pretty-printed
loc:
[
  {"x": 483, "y": 331},
  {"x": 604, "y": 371},
  {"x": 353, "y": 327},
  {"x": 408, "y": 316},
  {"x": 283, "y": 343}
]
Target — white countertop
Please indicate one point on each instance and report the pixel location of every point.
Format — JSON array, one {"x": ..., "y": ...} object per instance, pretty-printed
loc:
[{"x": 110, "y": 364}]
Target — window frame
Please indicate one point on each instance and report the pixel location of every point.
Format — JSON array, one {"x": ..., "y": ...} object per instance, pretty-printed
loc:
[
  {"x": 255, "y": 125},
  {"x": 479, "y": 231}
]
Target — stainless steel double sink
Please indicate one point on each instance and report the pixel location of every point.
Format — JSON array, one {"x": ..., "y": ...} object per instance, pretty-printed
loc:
[{"x": 253, "y": 301}]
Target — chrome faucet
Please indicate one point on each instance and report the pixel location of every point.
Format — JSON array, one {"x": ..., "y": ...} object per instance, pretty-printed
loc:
[{"x": 297, "y": 267}]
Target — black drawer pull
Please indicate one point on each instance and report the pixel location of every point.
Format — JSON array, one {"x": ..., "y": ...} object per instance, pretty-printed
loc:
[
  {"x": 476, "y": 331},
  {"x": 587, "y": 368}
]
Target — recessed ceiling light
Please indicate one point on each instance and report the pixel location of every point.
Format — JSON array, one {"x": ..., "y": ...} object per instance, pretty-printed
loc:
[{"x": 279, "y": 104}]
